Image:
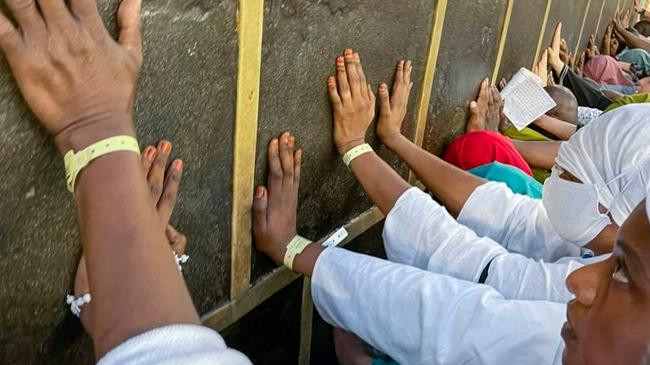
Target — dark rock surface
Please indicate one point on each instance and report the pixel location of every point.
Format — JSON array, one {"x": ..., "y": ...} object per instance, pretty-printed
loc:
[
  {"x": 523, "y": 34},
  {"x": 301, "y": 42},
  {"x": 570, "y": 13},
  {"x": 468, "y": 52},
  {"x": 187, "y": 94}
]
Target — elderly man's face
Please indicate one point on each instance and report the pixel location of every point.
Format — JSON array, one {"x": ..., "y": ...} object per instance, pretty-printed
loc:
[{"x": 609, "y": 321}]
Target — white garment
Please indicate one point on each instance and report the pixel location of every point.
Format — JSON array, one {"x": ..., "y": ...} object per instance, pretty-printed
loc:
[
  {"x": 420, "y": 317},
  {"x": 586, "y": 115},
  {"x": 517, "y": 222},
  {"x": 607, "y": 152},
  {"x": 175, "y": 344},
  {"x": 419, "y": 232}
]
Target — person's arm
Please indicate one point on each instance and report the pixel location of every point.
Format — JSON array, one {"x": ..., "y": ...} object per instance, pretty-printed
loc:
[
  {"x": 556, "y": 127},
  {"x": 82, "y": 92},
  {"x": 451, "y": 185},
  {"x": 354, "y": 109},
  {"x": 419, "y": 317},
  {"x": 631, "y": 39},
  {"x": 540, "y": 154}
]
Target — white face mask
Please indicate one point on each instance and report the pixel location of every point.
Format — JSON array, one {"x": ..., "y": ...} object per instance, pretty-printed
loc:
[{"x": 572, "y": 209}]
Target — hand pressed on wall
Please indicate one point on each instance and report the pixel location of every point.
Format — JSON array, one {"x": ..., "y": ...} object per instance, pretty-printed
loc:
[
  {"x": 275, "y": 206},
  {"x": 352, "y": 100},
  {"x": 73, "y": 75},
  {"x": 393, "y": 105}
]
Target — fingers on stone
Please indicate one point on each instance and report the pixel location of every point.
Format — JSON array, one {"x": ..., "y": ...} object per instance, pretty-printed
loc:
[
  {"x": 333, "y": 91},
  {"x": 169, "y": 196},
  {"x": 342, "y": 78}
]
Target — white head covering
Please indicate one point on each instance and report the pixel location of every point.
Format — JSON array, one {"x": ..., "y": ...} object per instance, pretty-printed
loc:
[{"x": 608, "y": 152}]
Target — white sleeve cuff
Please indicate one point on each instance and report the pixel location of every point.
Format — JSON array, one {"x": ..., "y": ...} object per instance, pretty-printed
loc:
[{"x": 175, "y": 344}]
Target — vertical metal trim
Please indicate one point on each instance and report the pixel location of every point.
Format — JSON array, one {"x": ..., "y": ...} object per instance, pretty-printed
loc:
[
  {"x": 306, "y": 323},
  {"x": 250, "y": 27},
  {"x": 502, "y": 41},
  {"x": 600, "y": 16},
  {"x": 549, "y": 3},
  {"x": 582, "y": 27},
  {"x": 429, "y": 75}
]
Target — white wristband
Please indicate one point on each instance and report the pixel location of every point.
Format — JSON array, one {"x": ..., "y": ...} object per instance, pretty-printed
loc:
[
  {"x": 295, "y": 248},
  {"x": 356, "y": 152}
]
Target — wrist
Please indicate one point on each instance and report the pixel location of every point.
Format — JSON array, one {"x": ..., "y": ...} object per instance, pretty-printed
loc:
[
  {"x": 86, "y": 132},
  {"x": 347, "y": 146},
  {"x": 392, "y": 139}
]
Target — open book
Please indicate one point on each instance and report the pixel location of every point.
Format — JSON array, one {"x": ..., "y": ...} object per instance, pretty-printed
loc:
[{"x": 525, "y": 99}]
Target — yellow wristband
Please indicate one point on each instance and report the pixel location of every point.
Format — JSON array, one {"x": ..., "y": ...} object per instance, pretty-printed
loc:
[
  {"x": 75, "y": 162},
  {"x": 356, "y": 152},
  {"x": 295, "y": 248}
]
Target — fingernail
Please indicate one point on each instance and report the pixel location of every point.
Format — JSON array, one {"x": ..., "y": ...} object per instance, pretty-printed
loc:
[
  {"x": 165, "y": 147},
  {"x": 178, "y": 165},
  {"x": 151, "y": 152},
  {"x": 259, "y": 192},
  {"x": 339, "y": 59},
  {"x": 347, "y": 51}
]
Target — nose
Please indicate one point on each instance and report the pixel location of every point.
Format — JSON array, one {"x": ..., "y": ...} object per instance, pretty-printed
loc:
[{"x": 584, "y": 282}]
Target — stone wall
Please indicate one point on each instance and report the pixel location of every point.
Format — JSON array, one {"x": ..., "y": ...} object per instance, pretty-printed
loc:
[{"x": 188, "y": 94}]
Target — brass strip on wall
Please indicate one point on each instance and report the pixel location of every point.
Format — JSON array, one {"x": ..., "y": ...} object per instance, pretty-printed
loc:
[
  {"x": 502, "y": 41},
  {"x": 250, "y": 25},
  {"x": 229, "y": 313},
  {"x": 582, "y": 27},
  {"x": 306, "y": 316},
  {"x": 549, "y": 3},
  {"x": 430, "y": 70},
  {"x": 600, "y": 17},
  {"x": 429, "y": 75}
]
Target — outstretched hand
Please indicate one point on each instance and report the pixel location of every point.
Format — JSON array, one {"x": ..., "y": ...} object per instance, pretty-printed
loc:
[
  {"x": 393, "y": 105},
  {"x": 352, "y": 101},
  {"x": 78, "y": 81},
  {"x": 275, "y": 206}
]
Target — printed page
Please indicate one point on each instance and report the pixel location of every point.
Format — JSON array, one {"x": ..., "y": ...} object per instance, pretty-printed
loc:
[{"x": 525, "y": 99}]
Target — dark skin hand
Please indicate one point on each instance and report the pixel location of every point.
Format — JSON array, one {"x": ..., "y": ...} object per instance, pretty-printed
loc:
[
  {"x": 631, "y": 39},
  {"x": 608, "y": 322},
  {"x": 81, "y": 85},
  {"x": 451, "y": 185},
  {"x": 274, "y": 206},
  {"x": 163, "y": 184}
]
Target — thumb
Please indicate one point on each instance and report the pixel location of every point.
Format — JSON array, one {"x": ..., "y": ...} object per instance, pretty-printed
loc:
[
  {"x": 384, "y": 100},
  {"x": 128, "y": 20},
  {"x": 177, "y": 240}
]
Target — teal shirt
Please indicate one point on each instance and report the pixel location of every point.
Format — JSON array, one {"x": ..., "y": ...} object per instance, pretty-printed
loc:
[{"x": 518, "y": 181}]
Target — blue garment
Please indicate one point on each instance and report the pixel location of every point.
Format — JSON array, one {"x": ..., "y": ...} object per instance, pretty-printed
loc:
[{"x": 518, "y": 181}]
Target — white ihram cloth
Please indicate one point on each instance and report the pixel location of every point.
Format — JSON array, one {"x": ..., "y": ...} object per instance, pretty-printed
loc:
[
  {"x": 410, "y": 311},
  {"x": 175, "y": 344}
]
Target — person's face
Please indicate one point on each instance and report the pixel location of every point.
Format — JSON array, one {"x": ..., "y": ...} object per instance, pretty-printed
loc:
[{"x": 609, "y": 320}]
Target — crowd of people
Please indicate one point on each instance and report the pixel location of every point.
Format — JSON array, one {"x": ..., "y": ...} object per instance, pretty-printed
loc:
[{"x": 535, "y": 250}]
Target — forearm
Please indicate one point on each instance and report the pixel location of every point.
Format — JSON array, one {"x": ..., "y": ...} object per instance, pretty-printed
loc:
[
  {"x": 368, "y": 296},
  {"x": 558, "y": 128},
  {"x": 632, "y": 40},
  {"x": 382, "y": 184},
  {"x": 538, "y": 154},
  {"x": 451, "y": 185},
  {"x": 126, "y": 251}
]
